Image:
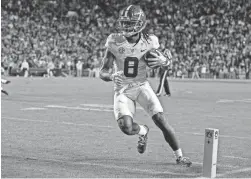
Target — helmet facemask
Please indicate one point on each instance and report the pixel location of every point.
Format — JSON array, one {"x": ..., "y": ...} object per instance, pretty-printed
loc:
[{"x": 132, "y": 23}]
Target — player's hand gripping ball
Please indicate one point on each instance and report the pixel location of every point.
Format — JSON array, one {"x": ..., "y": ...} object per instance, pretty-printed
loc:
[
  {"x": 117, "y": 77},
  {"x": 154, "y": 59}
]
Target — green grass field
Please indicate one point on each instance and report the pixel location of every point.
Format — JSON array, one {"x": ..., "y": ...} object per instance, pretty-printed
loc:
[{"x": 64, "y": 127}]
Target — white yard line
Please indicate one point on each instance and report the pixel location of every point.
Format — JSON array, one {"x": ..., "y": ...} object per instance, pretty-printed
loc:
[
  {"x": 225, "y": 136},
  {"x": 104, "y": 106},
  {"x": 107, "y": 126},
  {"x": 80, "y": 108},
  {"x": 32, "y": 109},
  {"x": 232, "y": 101},
  {"x": 23, "y": 119},
  {"x": 129, "y": 169},
  {"x": 234, "y": 157},
  {"x": 98, "y": 105},
  {"x": 108, "y": 110},
  {"x": 235, "y": 137},
  {"x": 220, "y": 165},
  {"x": 63, "y": 122},
  {"x": 224, "y": 156},
  {"x": 242, "y": 170},
  {"x": 224, "y": 101},
  {"x": 231, "y": 116}
]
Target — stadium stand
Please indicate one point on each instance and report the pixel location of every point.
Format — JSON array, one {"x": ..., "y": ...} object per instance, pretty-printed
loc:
[{"x": 210, "y": 37}]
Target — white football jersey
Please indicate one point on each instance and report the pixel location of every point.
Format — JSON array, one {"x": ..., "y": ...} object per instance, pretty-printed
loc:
[{"x": 129, "y": 56}]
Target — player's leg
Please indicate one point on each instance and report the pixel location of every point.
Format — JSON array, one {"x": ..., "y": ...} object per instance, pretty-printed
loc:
[
  {"x": 127, "y": 125},
  {"x": 3, "y": 91},
  {"x": 151, "y": 104},
  {"x": 161, "y": 121},
  {"x": 166, "y": 85},
  {"x": 149, "y": 101},
  {"x": 124, "y": 110},
  {"x": 160, "y": 87}
]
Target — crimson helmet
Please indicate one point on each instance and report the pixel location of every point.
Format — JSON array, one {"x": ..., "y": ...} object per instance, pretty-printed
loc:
[{"x": 132, "y": 20}]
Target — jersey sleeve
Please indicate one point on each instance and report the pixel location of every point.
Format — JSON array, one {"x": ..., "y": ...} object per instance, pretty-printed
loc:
[
  {"x": 155, "y": 41},
  {"x": 109, "y": 41}
]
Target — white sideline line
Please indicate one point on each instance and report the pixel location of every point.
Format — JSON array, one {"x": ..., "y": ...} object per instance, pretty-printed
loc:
[
  {"x": 233, "y": 157},
  {"x": 63, "y": 122},
  {"x": 235, "y": 172},
  {"x": 128, "y": 168},
  {"x": 227, "y": 117},
  {"x": 137, "y": 169},
  {"x": 23, "y": 119},
  {"x": 216, "y": 116},
  {"x": 109, "y": 106},
  {"x": 98, "y": 105},
  {"x": 225, "y": 101},
  {"x": 148, "y": 171},
  {"x": 220, "y": 165},
  {"x": 225, "y": 136},
  {"x": 232, "y": 101},
  {"x": 76, "y": 124},
  {"x": 236, "y": 137},
  {"x": 79, "y": 108},
  {"x": 32, "y": 109}
]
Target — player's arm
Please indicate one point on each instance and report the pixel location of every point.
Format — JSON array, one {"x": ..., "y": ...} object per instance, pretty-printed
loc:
[
  {"x": 107, "y": 64},
  {"x": 161, "y": 59},
  {"x": 168, "y": 55}
]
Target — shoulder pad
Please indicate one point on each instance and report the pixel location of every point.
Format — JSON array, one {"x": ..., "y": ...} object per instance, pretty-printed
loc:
[
  {"x": 115, "y": 39},
  {"x": 154, "y": 40}
]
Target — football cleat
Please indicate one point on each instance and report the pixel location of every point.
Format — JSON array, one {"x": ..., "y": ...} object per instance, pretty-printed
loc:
[
  {"x": 184, "y": 161},
  {"x": 158, "y": 94},
  {"x": 143, "y": 142},
  {"x": 168, "y": 95}
]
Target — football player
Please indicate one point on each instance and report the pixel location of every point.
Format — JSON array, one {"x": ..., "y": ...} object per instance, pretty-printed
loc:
[
  {"x": 3, "y": 81},
  {"x": 126, "y": 49}
]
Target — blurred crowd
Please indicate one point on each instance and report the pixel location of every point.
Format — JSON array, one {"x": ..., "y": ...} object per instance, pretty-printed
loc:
[{"x": 208, "y": 38}]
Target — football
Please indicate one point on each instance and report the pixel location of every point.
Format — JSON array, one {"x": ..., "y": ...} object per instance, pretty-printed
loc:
[{"x": 149, "y": 55}]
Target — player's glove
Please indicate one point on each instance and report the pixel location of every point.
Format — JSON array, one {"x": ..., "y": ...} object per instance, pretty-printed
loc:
[
  {"x": 117, "y": 78},
  {"x": 160, "y": 59}
]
